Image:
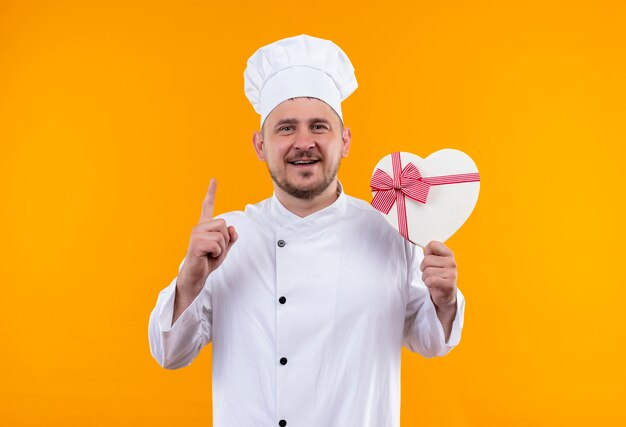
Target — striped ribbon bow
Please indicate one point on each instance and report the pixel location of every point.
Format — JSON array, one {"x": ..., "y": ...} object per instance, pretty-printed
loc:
[{"x": 407, "y": 182}]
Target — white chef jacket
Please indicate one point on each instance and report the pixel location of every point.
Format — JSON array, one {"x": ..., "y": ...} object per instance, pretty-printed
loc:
[{"x": 307, "y": 317}]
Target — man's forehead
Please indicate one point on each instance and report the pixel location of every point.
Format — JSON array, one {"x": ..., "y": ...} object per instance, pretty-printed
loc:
[{"x": 298, "y": 109}]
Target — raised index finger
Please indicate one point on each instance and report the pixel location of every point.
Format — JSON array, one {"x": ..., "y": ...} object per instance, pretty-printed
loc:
[{"x": 208, "y": 202}]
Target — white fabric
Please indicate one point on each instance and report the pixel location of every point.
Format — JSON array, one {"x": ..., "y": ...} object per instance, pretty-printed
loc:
[
  {"x": 298, "y": 66},
  {"x": 354, "y": 296}
]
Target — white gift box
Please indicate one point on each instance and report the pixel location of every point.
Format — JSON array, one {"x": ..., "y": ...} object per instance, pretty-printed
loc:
[{"x": 426, "y": 199}]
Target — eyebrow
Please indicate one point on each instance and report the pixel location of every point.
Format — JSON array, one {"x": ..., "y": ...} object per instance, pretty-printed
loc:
[{"x": 293, "y": 121}]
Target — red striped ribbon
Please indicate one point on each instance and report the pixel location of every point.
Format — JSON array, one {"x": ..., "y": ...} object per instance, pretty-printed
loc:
[{"x": 407, "y": 182}]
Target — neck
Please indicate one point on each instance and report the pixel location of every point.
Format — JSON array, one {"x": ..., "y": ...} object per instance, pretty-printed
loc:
[{"x": 302, "y": 207}]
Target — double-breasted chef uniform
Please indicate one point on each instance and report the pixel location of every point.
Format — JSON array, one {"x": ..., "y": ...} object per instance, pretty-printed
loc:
[{"x": 307, "y": 318}]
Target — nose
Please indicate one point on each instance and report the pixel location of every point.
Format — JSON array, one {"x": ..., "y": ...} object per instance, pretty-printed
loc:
[{"x": 304, "y": 140}]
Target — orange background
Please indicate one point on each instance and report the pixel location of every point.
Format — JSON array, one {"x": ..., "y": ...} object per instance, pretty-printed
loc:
[{"x": 115, "y": 114}]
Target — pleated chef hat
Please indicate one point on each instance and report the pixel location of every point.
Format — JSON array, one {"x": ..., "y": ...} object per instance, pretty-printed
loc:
[{"x": 298, "y": 66}]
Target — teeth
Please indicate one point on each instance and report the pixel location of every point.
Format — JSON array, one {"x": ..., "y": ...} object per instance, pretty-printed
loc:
[{"x": 303, "y": 162}]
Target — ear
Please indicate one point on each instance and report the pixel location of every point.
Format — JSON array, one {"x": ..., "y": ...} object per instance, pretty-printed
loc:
[
  {"x": 259, "y": 146},
  {"x": 346, "y": 138}
]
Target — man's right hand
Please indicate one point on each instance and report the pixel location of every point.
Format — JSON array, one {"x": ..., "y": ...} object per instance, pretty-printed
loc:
[
  {"x": 209, "y": 244},
  {"x": 210, "y": 241}
]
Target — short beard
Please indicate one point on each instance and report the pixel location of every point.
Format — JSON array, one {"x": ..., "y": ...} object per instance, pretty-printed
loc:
[{"x": 305, "y": 194}]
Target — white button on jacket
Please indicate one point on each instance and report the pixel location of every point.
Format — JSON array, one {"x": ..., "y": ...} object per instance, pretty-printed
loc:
[{"x": 307, "y": 317}]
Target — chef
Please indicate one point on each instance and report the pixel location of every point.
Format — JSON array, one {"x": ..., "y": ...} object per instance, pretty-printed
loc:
[{"x": 309, "y": 295}]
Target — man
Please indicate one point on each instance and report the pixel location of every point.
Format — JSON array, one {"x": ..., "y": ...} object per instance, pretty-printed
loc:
[{"x": 307, "y": 296}]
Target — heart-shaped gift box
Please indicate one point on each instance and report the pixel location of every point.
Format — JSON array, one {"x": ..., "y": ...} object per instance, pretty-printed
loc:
[{"x": 426, "y": 199}]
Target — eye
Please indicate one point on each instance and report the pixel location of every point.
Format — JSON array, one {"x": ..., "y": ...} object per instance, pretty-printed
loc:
[
  {"x": 320, "y": 126},
  {"x": 284, "y": 127}
]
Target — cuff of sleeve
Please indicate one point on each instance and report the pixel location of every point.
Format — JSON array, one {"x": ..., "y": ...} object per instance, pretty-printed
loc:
[
  {"x": 166, "y": 312},
  {"x": 457, "y": 324}
]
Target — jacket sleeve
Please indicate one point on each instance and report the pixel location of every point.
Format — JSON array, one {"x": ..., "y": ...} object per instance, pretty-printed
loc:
[
  {"x": 176, "y": 346},
  {"x": 423, "y": 331}
]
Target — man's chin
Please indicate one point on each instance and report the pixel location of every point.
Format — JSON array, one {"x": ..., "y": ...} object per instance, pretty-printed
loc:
[
  {"x": 304, "y": 190},
  {"x": 302, "y": 184}
]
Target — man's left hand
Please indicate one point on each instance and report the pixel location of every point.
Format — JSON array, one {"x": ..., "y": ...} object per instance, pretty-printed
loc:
[{"x": 439, "y": 274}]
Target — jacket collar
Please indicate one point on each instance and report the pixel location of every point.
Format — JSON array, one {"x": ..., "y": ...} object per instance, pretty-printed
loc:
[{"x": 285, "y": 218}]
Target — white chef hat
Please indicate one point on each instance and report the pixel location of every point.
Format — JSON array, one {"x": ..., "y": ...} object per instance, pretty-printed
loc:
[{"x": 298, "y": 66}]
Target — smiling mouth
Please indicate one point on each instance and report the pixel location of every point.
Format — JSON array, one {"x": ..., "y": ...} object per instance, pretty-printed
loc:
[{"x": 303, "y": 162}]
